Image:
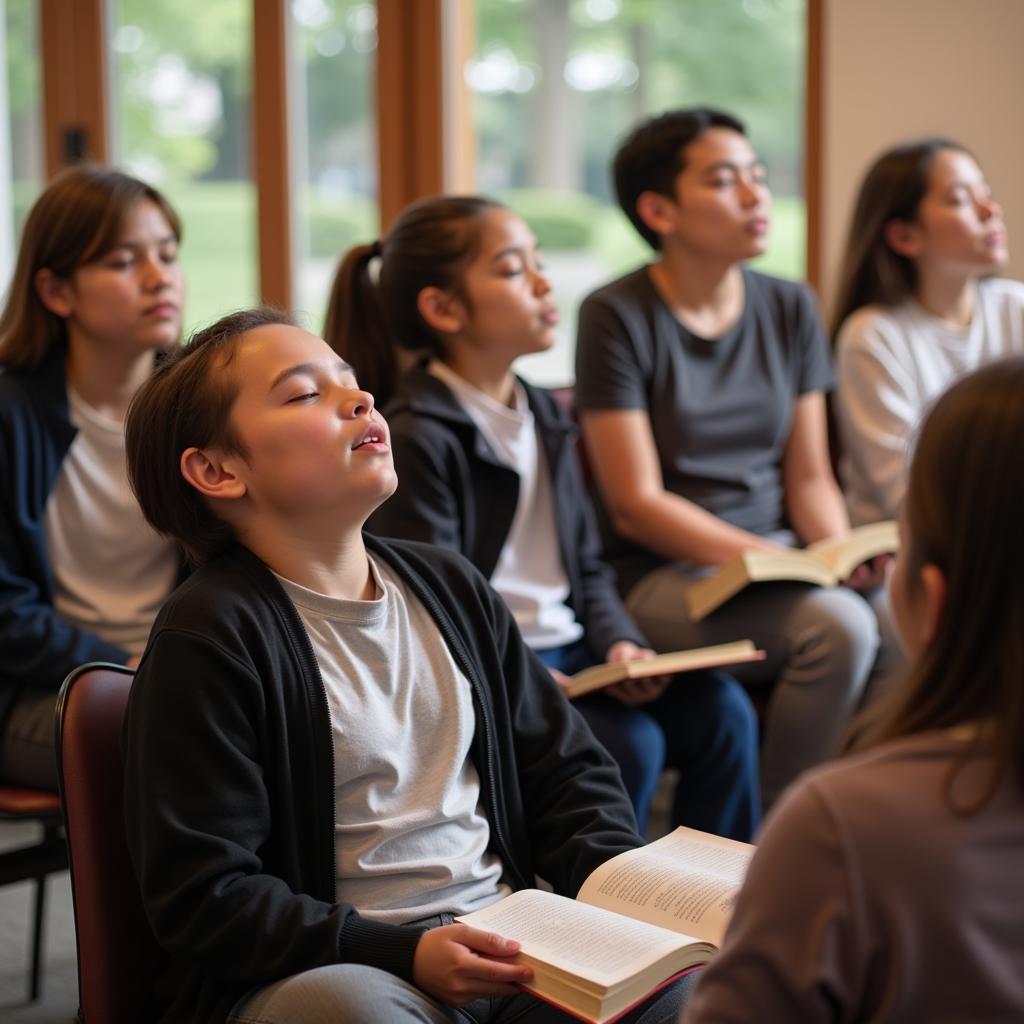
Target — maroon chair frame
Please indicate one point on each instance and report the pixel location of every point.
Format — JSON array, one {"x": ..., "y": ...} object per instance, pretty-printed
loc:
[{"x": 118, "y": 957}]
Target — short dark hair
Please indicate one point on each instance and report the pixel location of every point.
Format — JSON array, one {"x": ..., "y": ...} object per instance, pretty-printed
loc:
[
  {"x": 185, "y": 403},
  {"x": 650, "y": 158}
]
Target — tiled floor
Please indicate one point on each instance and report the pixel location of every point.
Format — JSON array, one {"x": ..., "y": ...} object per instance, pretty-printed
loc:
[{"x": 59, "y": 1001}]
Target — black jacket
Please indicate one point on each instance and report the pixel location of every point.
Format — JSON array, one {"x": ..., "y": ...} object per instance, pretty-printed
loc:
[
  {"x": 454, "y": 491},
  {"x": 229, "y": 780},
  {"x": 37, "y": 647}
]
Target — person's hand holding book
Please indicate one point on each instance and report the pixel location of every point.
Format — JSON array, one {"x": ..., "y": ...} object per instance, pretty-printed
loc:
[
  {"x": 634, "y": 691},
  {"x": 457, "y": 963},
  {"x": 870, "y": 575}
]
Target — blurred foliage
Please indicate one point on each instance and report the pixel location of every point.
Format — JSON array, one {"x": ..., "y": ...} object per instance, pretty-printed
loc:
[
  {"x": 335, "y": 225},
  {"x": 745, "y": 56},
  {"x": 169, "y": 57},
  {"x": 205, "y": 45},
  {"x": 560, "y": 220}
]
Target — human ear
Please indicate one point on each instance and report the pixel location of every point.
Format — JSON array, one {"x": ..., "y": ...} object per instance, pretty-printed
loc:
[
  {"x": 211, "y": 473},
  {"x": 658, "y": 212},
  {"x": 54, "y": 292},
  {"x": 933, "y": 594},
  {"x": 903, "y": 238},
  {"x": 441, "y": 311}
]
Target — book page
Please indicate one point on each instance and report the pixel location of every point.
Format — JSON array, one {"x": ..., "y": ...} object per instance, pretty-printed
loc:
[
  {"x": 583, "y": 940},
  {"x": 668, "y": 663},
  {"x": 686, "y": 881},
  {"x": 794, "y": 564},
  {"x": 844, "y": 554},
  {"x": 753, "y": 566}
]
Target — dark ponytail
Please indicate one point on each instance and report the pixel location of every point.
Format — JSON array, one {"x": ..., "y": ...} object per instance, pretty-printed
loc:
[
  {"x": 355, "y": 327},
  {"x": 429, "y": 246}
]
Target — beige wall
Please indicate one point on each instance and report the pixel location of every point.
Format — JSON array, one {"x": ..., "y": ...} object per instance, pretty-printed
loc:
[{"x": 896, "y": 69}]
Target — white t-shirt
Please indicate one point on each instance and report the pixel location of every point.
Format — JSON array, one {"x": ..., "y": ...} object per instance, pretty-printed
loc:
[
  {"x": 112, "y": 572},
  {"x": 530, "y": 575},
  {"x": 892, "y": 363},
  {"x": 410, "y": 836}
]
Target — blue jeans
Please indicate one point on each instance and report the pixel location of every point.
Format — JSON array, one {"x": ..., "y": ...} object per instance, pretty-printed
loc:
[
  {"x": 354, "y": 994},
  {"x": 703, "y": 725}
]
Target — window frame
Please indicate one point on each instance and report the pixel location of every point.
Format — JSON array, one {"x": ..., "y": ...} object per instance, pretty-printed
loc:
[{"x": 424, "y": 131}]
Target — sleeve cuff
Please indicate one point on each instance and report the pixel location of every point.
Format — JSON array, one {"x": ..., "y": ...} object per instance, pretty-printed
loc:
[{"x": 389, "y": 947}]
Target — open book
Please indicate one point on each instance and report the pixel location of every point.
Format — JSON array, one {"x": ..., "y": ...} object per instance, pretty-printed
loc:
[
  {"x": 640, "y": 919},
  {"x": 826, "y": 563},
  {"x": 663, "y": 664}
]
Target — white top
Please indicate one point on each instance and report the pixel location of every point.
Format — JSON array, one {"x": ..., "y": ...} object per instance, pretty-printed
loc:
[
  {"x": 530, "y": 575},
  {"x": 410, "y": 837},
  {"x": 871, "y": 899},
  {"x": 111, "y": 570},
  {"x": 892, "y": 363}
]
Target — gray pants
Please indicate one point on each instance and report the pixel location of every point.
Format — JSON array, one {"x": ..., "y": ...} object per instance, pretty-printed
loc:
[
  {"x": 354, "y": 994},
  {"x": 821, "y": 646},
  {"x": 27, "y": 754}
]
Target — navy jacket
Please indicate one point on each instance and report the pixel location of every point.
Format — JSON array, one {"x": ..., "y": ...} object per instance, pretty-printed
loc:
[
  {"x": 454, "y": 491},
  {"x": 229, "y": 778},
  {"x": 37, "y": 647}
]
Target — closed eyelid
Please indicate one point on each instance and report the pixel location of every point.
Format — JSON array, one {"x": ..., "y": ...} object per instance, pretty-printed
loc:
[{"x": 313, "y": 372}]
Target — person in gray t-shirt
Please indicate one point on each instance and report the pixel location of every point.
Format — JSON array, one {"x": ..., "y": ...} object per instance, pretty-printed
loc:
[{"x": 700, "y": 385}]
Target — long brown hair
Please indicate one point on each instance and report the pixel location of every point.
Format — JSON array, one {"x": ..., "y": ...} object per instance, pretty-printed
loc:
[
  {"x": 77, "y": 219},
  {"x": 429, "y": 245},
  {"x": 963, "y": 512},
  {"x": 872, "y": 273}
]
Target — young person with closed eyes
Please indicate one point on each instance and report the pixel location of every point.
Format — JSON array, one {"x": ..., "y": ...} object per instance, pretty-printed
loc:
[
  {"x": 487, "y": 466},
  {"x": 334, "y": 743},
  {"x": 701, "y": 391},
  {"x": 96, "y": 295},
  {"x": 920, "y": 304}
]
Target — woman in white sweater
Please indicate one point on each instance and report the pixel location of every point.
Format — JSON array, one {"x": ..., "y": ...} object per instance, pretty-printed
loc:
[{"x": 917, "y": 308}]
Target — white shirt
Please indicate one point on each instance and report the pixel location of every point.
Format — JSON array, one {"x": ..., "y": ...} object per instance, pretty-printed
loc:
[
  {"x": 530, "y": 575},
  {"x": 111, "y": 570},
  {"x": 410, "y": 837},
  {"x": 892, "y": 364}
]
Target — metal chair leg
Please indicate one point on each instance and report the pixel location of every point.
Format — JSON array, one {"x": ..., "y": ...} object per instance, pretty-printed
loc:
[{"x": 37, "y": 939}]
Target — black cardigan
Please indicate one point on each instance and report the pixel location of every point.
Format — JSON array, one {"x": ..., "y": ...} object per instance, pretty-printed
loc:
[
  {"x": 229, "y": 780},
  {"x": 37, "y": 647},
  {"x": 454, "y": 491}
]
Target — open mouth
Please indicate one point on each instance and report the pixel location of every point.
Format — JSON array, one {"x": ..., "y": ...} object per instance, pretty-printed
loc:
[{"x": 374, "y": 436}]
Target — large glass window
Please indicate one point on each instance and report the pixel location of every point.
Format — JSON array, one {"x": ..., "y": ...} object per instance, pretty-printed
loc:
[
  {"x": 557, "y": 83},
  {"x": 335, "y": 140},
  {"x": 21, "y": 143},
  {"x": 181, "y": 73}
]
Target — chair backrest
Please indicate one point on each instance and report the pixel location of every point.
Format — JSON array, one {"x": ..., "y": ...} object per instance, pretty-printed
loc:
[{"x": 118, "y": 958}]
